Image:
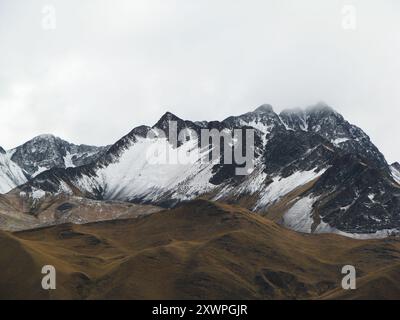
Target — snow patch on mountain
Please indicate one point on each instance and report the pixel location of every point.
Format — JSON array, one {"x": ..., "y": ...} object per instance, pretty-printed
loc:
[
  {"x": 37, "y": 194},
  {"x": 280, "y": 186},
  {"x": 151, "y": 167},
  {"x": 259, "y": 125},
  {"x": 339, "y": 141},
  {"x": 380, "y": 234},
  {"x": 395, "y": 173},
  {"x": 68, "y": 160},
  {"x": 299, "y": 216},
  {"x": 39, "y": 171},
  {"x": 11, "y": 175},
  {"x": 254, "y": 182}
]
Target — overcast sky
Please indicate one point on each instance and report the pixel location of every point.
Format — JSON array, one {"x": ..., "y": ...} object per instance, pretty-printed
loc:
[{"x": 103, "y": 67}]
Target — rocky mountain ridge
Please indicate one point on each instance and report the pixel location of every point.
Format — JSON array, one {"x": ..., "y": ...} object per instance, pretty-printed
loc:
[
  {"x": 40, "y": 154},
  {"x": 313, "y": 172}
]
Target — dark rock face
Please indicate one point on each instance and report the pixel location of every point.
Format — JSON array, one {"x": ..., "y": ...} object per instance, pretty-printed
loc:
[
  {"x": 330, "y": 125},
  {"x": 52, "y": 180},
  {"x": 122, "y": 144},
  {"x": 263, "y": 118},
  {"x": 356, "y": 191},
  {"x": 183, "y": 127},
  {"x": 295, "y": 119},
  {"x": 292, "y": 151},
  {"x": 47, "y": 151},
  {"x": 2, "y": 151},
  {"x": 355, "y": 197}
]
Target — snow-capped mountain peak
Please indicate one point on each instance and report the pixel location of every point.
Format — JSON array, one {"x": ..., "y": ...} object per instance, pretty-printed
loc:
[
  {"x": 328, "y": 123},
  {"x": 395, "y": 169},
  {"x": 39, "y": 154},
  {"x": 310, "y": 159},
  {"x": 48, "y": 151},
  {"x": 265, "y": 108},
  {"x": 262, "y": 118},
  {"x": 45, "y": 136},
  {"x": 165, "y": 121}
]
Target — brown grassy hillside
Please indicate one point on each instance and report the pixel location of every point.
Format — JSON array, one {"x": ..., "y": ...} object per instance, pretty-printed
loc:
[{"x": 200, "y": 250}]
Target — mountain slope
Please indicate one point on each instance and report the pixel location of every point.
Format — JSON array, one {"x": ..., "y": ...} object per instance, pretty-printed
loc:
[
  {"x": 47, "y": 151},
  {"x": 199, "y": 250},
  {"x": 42, "y": 153},
  {"x": 23, "y": 213},
  {"x": 16, "y": 260},
  {"x": 395, "y": 169},
  {"x": 331, "y": 125},
  {"x": 351, "y": 197},
  {"x": 346, "y": 184},
  {"x": 11, "y": 175}
]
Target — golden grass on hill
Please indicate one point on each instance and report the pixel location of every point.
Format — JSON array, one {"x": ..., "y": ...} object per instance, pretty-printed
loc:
[{"x": 199, "y": 250}]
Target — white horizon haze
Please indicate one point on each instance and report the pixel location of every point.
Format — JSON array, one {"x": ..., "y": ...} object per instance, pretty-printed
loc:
[{"x": 90, "y": 71}]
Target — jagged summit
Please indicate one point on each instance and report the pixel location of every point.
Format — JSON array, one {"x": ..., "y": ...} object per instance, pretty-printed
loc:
[
  {"x": 345, "y": 181},
  {"x": 47, "y": 151},
  {"x": 167, "y": 127},
  {"x": 45, "y": 136},
  {"x": 320, "y": 109},
  {"x": 262, "y": 118},
  {"x": 140, "y": 131},
  {"x": 163, "y": 122},
  {"x": 265, "y": 108},
  {"x": 169, "y": 115}
]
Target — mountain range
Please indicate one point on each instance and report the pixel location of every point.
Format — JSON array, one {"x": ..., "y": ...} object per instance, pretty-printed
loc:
[{"x": 314, "y": 172}]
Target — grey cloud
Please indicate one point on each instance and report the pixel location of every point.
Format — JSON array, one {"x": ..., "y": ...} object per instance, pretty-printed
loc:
[{"x": 112, "y": 65}]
